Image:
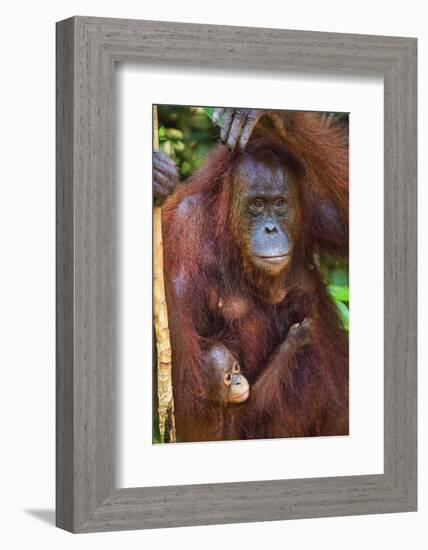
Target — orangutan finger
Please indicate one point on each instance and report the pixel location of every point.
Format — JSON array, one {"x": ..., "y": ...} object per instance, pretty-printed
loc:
[
  {"x": 238, "y": 123},
  {"x": 218, "y": 113},
  {"x": 250, "y": 123},
  {"x": 164, "y": 164},
  {"x": 227, "y": 121},
  {"x": 165, "y": 181}
]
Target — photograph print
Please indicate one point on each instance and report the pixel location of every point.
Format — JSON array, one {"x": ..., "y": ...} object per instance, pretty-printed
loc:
[{"x": 250, "y": 274}]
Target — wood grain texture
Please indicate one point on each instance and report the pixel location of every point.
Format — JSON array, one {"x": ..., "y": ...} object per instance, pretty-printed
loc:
[
  {"x": 64, "y": 277},
  {"x": 87, "y": 49}
]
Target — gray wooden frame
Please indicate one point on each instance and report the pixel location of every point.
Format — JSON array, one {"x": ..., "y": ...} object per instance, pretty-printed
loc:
[{"x": 87, "y": 50}]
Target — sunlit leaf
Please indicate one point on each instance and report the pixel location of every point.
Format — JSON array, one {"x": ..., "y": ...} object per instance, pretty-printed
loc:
[
  {"x": 339, "y": 293},
  {"x": 209, "y": 111},
  {"x": 174, "y": 133},
  {"x": 178, "y": 146},
  {"x": 167, "y": 147},
  {"x": 343, "y": 314}
]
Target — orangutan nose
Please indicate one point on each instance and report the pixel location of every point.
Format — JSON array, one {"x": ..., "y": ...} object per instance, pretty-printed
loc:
[{"x": 271, "y": 228}]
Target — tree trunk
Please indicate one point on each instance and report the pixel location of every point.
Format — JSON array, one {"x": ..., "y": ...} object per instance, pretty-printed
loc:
[{"x": 163, "y": 344}]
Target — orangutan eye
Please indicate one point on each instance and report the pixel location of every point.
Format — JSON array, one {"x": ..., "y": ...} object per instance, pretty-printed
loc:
[
  {"x": 280, "y": 203},
  {"x": 236, "y": 368},
  {"x": 228, "y": 379},
  {"x": 256, "y": 206}
]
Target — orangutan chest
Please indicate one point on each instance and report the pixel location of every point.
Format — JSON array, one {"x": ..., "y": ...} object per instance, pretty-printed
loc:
[
  {"x": 251, "y": 333},
  {"x": 231, "y": 307}
]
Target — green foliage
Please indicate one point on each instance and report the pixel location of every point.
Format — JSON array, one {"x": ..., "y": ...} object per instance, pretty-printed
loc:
[
  {"x": 335, "y": 274},
  {"x": 209, "y": 111},
  {"x": 155, "y": 430},
  {"x": 186, "y": 134},
  {"x": 343, "y": 314},
  {"x": 339, "y": 293}
]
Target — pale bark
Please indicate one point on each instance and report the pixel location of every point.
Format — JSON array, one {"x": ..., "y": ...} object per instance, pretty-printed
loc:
[{"x": 163, "y": 344}]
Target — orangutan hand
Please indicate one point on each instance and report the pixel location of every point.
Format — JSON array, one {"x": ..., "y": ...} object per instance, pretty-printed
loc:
[{"x": 165, "y": 177}]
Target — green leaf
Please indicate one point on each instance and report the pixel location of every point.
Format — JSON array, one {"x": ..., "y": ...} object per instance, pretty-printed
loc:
[
  {"x": 339, "y": 293},
  {"x": 209, "y": 111},
  {"x": 167, "y": 148},
  {"x": 186, "y": 168},
  {"x": 174, "y": 133},
  {"x": 338, "y": 276},
  {"x": 178, "y": 146},
  {"x": 201, "y": 122},
  {"x": 343, "y": 314},
  {"x": 155, "y": 430}
]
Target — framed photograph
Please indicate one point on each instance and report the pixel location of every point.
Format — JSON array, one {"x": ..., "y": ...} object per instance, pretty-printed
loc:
[{"x": 236, "y": 274}]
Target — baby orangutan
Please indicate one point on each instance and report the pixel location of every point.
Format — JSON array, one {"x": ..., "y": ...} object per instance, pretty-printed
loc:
[
  {"x": 223, "y": 378},
  {"x": 225, "y": 389}
]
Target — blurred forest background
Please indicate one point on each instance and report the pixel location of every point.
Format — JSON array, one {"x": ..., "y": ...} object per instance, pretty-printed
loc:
[{"x": 187, "y": 134}]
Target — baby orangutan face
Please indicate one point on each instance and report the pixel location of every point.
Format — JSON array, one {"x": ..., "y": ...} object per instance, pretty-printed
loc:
[{"x": 223, "y": 375}]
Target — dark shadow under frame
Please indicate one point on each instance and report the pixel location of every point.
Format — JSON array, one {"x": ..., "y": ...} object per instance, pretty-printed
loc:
[{"x": 87, "y": 50}]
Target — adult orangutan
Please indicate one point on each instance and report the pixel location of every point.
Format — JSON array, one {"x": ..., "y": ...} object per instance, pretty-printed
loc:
[{"x": 239, "y": 243}]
